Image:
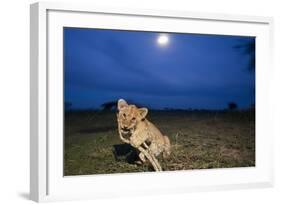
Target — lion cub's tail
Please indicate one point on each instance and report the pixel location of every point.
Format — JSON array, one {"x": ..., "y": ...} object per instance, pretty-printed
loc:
[{"x": 167, "y": 148}]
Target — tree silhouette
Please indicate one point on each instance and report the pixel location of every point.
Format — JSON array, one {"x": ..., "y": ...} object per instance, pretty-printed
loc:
[
  {"x": 232, "y": 106},
  {"x": 109, "y": 105},
  {"x": 249, "y": 48}
]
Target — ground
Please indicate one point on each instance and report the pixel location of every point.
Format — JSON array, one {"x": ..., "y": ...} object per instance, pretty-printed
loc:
[{"x": 200, "y": 140}]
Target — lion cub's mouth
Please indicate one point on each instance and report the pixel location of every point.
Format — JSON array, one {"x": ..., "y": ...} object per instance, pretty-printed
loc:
[{"x": 126, "y": 130}]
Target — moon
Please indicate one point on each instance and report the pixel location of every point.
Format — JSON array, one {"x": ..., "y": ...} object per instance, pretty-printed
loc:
[{"x": 163, "y": 39}]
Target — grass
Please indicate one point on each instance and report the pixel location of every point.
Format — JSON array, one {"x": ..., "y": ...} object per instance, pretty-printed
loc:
[{"x": 200, "y": 140}]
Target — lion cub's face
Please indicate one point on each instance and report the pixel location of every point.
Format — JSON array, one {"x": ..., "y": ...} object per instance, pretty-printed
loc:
[{"x": 129, "y": 116}]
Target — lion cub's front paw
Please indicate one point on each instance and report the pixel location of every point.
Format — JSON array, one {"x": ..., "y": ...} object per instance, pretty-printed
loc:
[{"x": 138, "y": 162}]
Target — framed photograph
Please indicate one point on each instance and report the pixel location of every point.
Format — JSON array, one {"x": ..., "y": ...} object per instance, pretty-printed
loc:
[{"x": 129, "y": 101}]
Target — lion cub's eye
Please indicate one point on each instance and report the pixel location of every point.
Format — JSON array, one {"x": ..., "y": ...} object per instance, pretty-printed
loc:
[{"x": 124, "y": 115}]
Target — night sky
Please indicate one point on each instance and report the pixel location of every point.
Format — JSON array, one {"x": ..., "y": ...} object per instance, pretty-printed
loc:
[{"x": 189, "y": 71}]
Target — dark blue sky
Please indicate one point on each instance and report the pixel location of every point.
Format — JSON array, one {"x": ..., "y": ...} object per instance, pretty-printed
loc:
[{"x": 191, "y": 71}]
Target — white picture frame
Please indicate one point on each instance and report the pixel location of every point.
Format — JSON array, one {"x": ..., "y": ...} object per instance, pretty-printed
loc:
[{"x": 47, "y": 182}]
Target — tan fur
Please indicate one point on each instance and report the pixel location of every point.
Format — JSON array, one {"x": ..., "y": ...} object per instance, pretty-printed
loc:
[{"x": 136, "y": 130}]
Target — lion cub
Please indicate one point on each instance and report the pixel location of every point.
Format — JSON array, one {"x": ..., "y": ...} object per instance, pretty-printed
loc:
[{"x": 136, "y": 130}]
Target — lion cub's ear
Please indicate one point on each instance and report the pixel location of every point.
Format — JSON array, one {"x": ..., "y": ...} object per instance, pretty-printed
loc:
[
  {"x": 143, "y": 112},
  {"x": 121, "y": 104}
]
